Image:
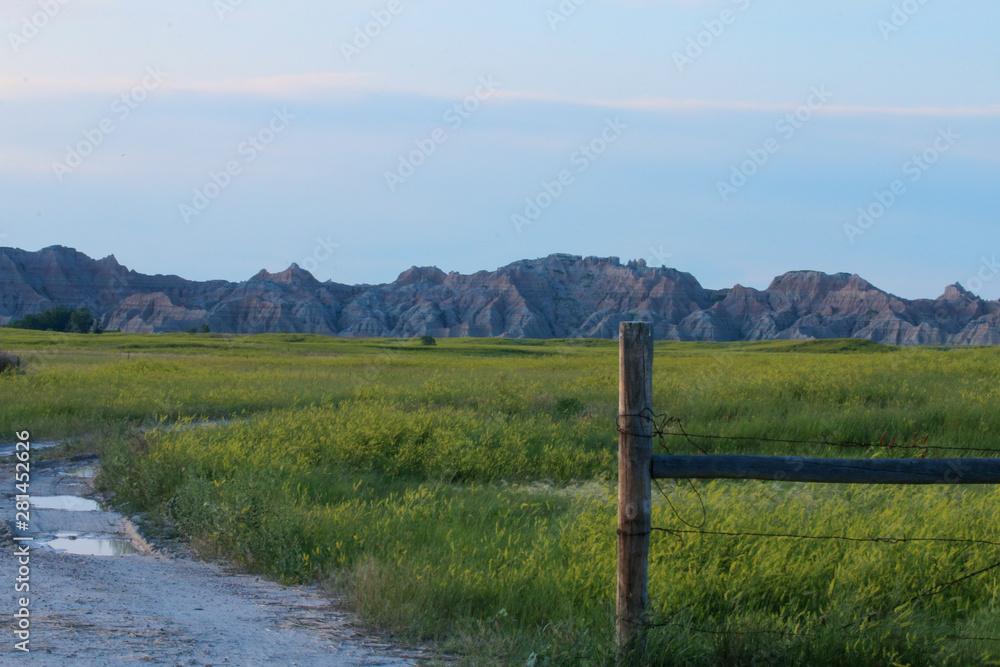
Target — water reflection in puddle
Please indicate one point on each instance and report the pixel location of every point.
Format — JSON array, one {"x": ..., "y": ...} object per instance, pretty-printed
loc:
[
  {"x": 71, "y": 503},
  {"x": 72, "y": 543},
  {"x": 86, "y": 472}
]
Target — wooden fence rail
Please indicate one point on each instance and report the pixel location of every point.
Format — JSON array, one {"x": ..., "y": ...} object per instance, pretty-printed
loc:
[
  {"x": 842, "y": 471},
  {"x": 637, "y": 467}
]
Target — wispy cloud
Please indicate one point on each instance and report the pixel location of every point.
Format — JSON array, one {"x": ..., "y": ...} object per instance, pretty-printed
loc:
[
  {"x": 682, "y": 105},
  {"x": 359, "y": 84},
  {"x": 280, "y": 87},
  {"x": 295, "y": 85}
]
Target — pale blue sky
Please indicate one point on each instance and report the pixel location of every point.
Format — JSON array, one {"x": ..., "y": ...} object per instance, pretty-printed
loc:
[{"x": 888, "y": 92}]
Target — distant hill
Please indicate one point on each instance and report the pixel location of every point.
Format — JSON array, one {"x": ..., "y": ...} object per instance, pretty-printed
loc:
[{"x": 559, "y": 296}]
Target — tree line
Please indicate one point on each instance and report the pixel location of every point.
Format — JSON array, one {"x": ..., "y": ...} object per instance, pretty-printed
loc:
[{"x": 60, "y": 318}]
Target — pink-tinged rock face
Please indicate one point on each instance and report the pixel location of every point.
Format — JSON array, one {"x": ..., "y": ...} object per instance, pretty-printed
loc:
[{"x": 559, "y": 296}]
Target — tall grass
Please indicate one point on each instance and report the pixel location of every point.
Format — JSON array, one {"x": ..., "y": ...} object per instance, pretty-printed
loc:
[{"x": 464, "y": 493}]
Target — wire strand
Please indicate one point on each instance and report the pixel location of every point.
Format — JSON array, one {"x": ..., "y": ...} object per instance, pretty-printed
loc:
[
  {"x": 883, "y": 540},
  {"x": 662, "y": 426}
]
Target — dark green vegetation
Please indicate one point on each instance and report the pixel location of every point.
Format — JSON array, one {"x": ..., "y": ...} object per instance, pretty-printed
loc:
[
  {"x": 61, "y": 319},
  {"x": 464, "y": 492},
  {"x": 9, "y": 363}
]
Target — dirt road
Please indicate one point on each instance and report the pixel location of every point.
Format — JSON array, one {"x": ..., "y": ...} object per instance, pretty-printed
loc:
[{"x": 132, "y": 605}]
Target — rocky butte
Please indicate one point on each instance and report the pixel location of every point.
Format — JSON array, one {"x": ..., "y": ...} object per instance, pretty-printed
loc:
[{"x": 559, "y": 296}]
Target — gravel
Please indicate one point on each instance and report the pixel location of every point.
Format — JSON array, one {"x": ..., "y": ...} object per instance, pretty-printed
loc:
[{"x": 159, "y": 606}]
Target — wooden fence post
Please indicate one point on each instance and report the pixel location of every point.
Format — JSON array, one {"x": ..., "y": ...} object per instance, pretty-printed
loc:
[{"x": 635, "y": 454}]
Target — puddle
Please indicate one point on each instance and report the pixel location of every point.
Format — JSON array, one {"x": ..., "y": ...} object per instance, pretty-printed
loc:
[
  {"x": 8, "y": 449},
  {"x": 85, "y": 472},
  {"x": 72, "y": 543},
  {"x": 71, "y": 503}
]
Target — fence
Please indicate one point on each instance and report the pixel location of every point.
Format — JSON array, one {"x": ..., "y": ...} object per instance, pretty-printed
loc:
[{"x": 638, "y": 467}]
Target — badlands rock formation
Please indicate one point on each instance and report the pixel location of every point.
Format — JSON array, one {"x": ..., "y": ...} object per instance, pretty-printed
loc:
[{"x": 559, "y": 296}]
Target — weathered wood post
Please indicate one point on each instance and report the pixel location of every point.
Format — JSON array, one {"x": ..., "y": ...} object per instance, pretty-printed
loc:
[{"x": 635, "y": 455}]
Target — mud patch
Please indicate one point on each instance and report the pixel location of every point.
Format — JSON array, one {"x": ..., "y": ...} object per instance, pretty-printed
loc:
[{"x": 9, "y": 449}]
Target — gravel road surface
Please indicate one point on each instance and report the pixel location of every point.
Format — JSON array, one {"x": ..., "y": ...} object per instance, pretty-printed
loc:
[{"x": 137, "y": 605}]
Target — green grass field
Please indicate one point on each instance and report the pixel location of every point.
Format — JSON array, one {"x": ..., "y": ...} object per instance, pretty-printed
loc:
[{"x": 464, "y": 493}]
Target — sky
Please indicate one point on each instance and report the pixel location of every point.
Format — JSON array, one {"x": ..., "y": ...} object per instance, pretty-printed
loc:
[{"x": 732, "y": 139}]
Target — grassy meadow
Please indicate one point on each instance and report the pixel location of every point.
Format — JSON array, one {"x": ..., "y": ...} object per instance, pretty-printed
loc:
[{"x": 464, "y": 493}]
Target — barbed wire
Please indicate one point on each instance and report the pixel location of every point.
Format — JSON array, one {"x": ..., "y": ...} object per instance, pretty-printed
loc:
[
  {"x": 788, "y": 633},
  {"x": 657, "y": 430},
  {"x": 845, "y": 538},
  {"x": 933, "y": 590},
  {"x": 710, "y": 631},
  {"x": 704, "y": 510},
  {"x": 845, "y": 444},
  {"x": 662, "y": 426}
]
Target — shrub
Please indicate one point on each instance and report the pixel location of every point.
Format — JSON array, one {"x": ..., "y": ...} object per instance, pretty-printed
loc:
[
  {"x": 9, "y": 363},
  {"x": 428, "y": 340}
]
